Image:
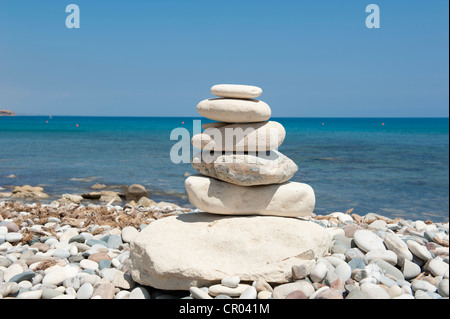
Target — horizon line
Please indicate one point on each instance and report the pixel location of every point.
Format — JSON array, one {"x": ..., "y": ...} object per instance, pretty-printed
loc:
[{"x": 154, "y": 116}]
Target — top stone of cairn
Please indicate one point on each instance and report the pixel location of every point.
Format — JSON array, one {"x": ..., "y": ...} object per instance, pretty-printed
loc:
[{"x": 236, "y": 91}]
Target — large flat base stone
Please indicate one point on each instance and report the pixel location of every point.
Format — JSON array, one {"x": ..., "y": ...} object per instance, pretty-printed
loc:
[{"x": 199, "y": 249}]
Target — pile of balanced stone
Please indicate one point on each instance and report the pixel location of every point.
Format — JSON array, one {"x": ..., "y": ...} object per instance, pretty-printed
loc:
[
  {"x": 247, "y": 219},
  {"x": 243, "y": 173}
]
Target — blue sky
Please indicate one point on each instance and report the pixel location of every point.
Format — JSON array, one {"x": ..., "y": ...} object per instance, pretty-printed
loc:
[{"x": 312, "y": 58}]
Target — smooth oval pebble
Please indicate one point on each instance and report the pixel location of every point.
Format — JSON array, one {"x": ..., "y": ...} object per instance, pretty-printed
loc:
[
  {"x": 85, "y": 291},
  {"x": 374, "y": 291},
  {"x": 443, "y": 288},
  {"x": 33, "y": 294},
  {"x": 437, "y": 267},
  {"x": 343, "y": 271},
  {"x": 367, "y": 240},
  {"x": 59, "y": 274},
  {"x": 386, "y": 255},
  {"x": 249, "y": 137},
  {"x": 234, "y": 110},
  {"x": 410, "y": 269},
  {"x": 249, "y": 293},
  {"x": 139, "y": 293},
  {"x": 13, "y": 237},
  {"x": 61, "y": 253},
  {"x": 216, "y": 290},
  {"x": 418, "y": 250},
  {"x": 398, "y": 246},
  {"x": 318, "y": 273},
  {"x": 237, "y": 91},
  {"x": 198, "y": 293},
  {"x": 24, "y": 276},
  {"x": 11, "y": 271},
  {"x": 128, "y": 234},
  {"x": 231, "y": 281},
  {"x": 89, "y": 264},
  {"x": 423, "y": 285}
]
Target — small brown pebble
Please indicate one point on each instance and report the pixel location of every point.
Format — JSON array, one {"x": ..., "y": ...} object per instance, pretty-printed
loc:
[
  {"x": 99, "y": 256},
  {"x": 41, "y": 247},
  {"x": 338, "y": 285}
]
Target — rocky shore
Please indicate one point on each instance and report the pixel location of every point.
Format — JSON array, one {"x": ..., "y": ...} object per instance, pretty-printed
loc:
[
  {"x": 6, "y": 113},
  {"x": 76, "y": 251}
]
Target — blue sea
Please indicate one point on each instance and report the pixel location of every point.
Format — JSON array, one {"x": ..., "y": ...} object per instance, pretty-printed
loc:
[{"x": 396, "y": 167}]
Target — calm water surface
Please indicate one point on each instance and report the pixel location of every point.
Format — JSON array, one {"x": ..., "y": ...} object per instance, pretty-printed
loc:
[{"x": 399, "y": 169}]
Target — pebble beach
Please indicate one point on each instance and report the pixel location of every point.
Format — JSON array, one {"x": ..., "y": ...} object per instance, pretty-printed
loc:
[{"x": 77, "y": 251}]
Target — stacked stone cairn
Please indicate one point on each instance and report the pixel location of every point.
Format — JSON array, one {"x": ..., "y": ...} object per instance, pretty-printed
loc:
[
  {"x": 249, "y": 222},
  {"x": 242, "y": 173}
]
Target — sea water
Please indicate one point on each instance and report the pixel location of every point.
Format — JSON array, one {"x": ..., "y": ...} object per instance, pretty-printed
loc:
[{"x": 396, "y": 167}]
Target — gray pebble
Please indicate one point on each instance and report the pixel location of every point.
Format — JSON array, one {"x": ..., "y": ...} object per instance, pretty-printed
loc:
[
  {"x": 105, "y": 263},
  {"x": 443, "y": 288},
  {"x": 26, "y": 275},
  {"x": 50, "y": 293},
  {"x": 357, "y": 263},
  {"x": 423, "y": 285},
  {"x": 410, "y": 269}
]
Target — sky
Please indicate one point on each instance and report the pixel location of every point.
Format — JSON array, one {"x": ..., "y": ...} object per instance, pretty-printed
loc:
[{"x": 312, "y": 58}]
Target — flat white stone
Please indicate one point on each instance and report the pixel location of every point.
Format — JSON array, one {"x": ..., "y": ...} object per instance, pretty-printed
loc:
[
  {"x": 88, "y": 264},
  {"x": 318, "y": 272},
  {"x": 437, "y": 266},
  {"x": 343, "y": 271},
  {"x": 252, "y": 137},
  {"x": 128, "y": 233},
  {"x": 290, "y": 199},
  {"x": 398, "y": 246},
  {"x": 231, "y": 281},
  {"x": 198, "y": 293},
  {"x": 12, "y": 270},
  {"x": 374, "y": 291},
  {"x": 12, "y": 237},
  {"x": 216, "y": 290},
  {"x": 386, "y": 255},
  {"x": 201, "y": 246},
  {"x": 139, "y": 293},
  {"x": 33, "y": 294},
  {"x": 419, "y": 250},
  {"x": 234, "y": 110},
  {"x": 248, "y": 169},
  {"x": 249, "y": 293},
  {"x": 85, "y": 291},
  {"x": 367, "y": 240},
  {"x": 58, "y": 274},
  {"x": 237, "y": 91}
]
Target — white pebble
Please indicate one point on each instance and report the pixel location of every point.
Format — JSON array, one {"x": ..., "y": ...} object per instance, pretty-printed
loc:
[{"x": 231, "y": 281}]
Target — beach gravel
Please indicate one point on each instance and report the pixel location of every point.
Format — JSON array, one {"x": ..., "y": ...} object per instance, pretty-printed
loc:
[{"x": 58, "y": 256}]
